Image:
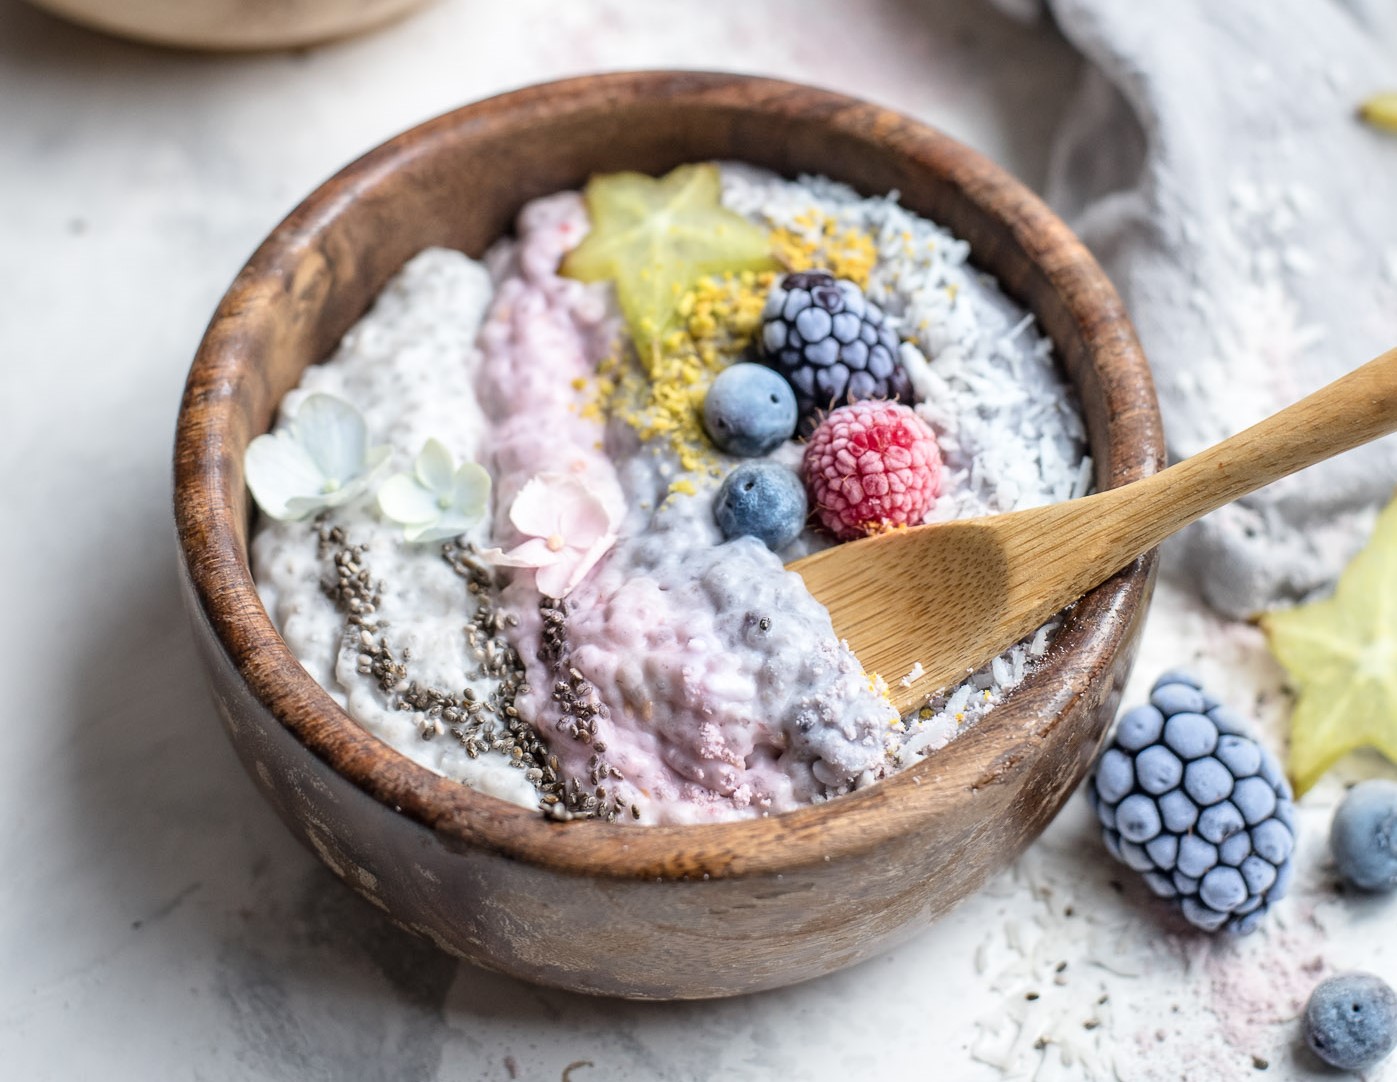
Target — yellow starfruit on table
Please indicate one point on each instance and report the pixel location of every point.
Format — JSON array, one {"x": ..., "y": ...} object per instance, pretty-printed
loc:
[{"x": 1341, "y": 654}]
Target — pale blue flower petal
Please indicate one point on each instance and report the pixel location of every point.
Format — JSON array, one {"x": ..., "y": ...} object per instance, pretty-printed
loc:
[
  {"x": 471, "y": 497},
  {"x": 404, "y": 500},
  {"x": 279, "y": 472},
  {"x": 334, "y": 435},
  {"x": 375, "y": 465},
  {"x": 433, "y": 467},
  {"x": 443, "y": 529}
]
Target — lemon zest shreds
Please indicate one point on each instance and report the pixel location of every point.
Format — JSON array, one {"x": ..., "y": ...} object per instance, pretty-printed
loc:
[
  {"x": 660, "y": 394},
  {"x": 816, "y": 241},
  {"x": 878, "y": 686}
]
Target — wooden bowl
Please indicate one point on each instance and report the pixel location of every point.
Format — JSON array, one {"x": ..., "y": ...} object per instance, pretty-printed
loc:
[
  {"x": 230, "y": 24},
  {"x": 645, "y": 912}
]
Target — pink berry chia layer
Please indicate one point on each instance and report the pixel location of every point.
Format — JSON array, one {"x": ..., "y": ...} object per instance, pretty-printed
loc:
[{"x": 718, "y": 685}]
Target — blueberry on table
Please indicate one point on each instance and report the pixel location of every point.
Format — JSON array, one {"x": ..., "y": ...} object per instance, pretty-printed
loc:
[
  {"x": 1194, "y": 804},
  {"x": 749, "y": 410},
  {"x": 1351, "y": 1021},
  {"x": 761, "y": 500},
  {"x": 1363, "y": 837}
]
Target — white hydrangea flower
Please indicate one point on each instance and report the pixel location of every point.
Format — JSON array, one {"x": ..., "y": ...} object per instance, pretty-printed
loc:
[
  {"x": 320, "y": 459},
  {"x": 438, "y": 500}
]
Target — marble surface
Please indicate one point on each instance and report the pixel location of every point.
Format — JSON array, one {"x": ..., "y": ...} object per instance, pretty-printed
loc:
[{"x": 156, "y": 921}]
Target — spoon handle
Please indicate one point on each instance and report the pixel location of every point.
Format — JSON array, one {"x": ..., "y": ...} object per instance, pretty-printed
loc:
[{"x": 1355, "y": 409}]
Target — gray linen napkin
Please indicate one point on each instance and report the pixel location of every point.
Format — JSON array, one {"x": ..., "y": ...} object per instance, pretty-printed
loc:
[{"x": 1212, "y": 160}]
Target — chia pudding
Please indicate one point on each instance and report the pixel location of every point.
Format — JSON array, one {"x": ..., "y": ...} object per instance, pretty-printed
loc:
[{"x": 566, "y": 623}]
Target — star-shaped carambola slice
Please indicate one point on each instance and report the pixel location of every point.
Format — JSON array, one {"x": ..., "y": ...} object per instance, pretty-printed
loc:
[
  {"x": 655, "y": 238},
  {"x": 1381, "y": 111},
  {"x": 1341, "y": 654}
]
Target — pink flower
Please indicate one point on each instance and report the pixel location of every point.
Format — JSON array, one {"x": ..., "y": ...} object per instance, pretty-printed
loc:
[{"x": 568, "y": 530}]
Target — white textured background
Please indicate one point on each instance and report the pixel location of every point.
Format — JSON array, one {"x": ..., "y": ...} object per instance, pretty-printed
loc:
[{"x": 156, "y": 921}]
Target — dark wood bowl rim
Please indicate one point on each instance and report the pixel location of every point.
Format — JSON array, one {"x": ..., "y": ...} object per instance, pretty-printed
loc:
[{"x": 994, "y": 751}]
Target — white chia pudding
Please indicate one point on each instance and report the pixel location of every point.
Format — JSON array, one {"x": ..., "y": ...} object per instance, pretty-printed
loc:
[{"x": 591, "y": 639}]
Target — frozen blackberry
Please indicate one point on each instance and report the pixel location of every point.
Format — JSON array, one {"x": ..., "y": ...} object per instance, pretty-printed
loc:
[
  {"x": 831, "y": 343},
  {"x": 1203, "y": 812}
]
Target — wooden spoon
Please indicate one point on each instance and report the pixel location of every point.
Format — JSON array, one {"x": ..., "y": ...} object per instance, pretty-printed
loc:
[{"x": 953, "y": 595}]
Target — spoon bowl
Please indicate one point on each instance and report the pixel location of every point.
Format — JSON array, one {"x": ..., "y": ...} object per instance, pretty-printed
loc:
[{"x": 941, "y": 600}]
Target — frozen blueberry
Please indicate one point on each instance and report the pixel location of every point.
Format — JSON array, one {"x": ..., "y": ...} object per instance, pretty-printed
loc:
[
  {"x": 750, "y": 409},
  {"x": 1363, "y": 837},
  {"x": 1351, "y": 1021},
  {"x": 761, "y": 500},
  {"x": 1191, "y": 735}
]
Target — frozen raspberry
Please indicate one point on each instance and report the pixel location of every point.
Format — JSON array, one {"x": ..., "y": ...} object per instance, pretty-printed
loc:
[{"x": 870, "y": 466}]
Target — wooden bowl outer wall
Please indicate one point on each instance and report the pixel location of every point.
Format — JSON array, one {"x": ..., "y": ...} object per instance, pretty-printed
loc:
[
  {"x": 656, "y": 912},
  {"x": 230, "y": 25}
]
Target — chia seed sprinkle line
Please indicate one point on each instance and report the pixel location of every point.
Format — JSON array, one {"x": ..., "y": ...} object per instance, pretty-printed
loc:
[
  {"x": 580, "y": 705},
  {"x": 489, "y": 724}
]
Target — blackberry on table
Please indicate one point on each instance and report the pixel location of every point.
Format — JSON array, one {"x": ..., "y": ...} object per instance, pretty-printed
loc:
[
  {"x": 831, "y": 343},
  {"x": 1203, "y": 812}
]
